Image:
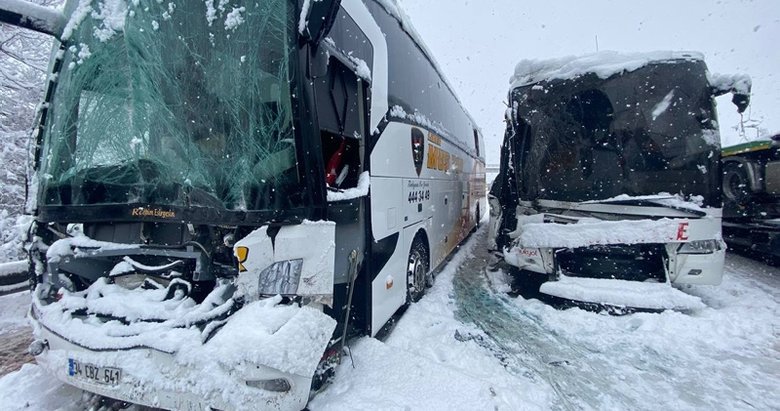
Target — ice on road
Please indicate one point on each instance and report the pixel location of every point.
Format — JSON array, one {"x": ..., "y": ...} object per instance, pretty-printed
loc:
[{"x": 467, "y": 345}]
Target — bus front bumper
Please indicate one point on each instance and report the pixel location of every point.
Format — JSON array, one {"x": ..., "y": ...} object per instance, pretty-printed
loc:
[{"x": 156, "y": 379}]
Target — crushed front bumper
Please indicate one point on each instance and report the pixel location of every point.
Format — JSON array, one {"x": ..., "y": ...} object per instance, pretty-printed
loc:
[{"x": 250, "y": 363}]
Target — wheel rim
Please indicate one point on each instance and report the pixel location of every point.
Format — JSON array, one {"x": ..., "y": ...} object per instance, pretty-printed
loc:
[{"x": 416, "y": 274}]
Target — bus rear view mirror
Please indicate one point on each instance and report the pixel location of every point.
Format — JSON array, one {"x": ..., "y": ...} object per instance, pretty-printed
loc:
[
  {"x": 742, "y": 101},
  {"x": 31, "y": 16},
  {"x": 737, "y": 84},
  {"x": 319, "y": 19}
]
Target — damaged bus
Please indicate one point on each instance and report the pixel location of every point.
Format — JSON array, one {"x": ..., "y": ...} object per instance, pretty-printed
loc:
[
  {"x": 224, "y": 192},
  {"x": 609, "y": 184}
]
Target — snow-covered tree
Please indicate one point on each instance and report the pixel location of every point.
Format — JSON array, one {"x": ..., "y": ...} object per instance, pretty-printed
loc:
[{"x": 24, "y": 58}]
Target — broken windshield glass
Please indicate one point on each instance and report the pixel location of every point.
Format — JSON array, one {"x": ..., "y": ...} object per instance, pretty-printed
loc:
[
  {"x": 640, "y": 133},
  {"x": 179, "y": 105}
]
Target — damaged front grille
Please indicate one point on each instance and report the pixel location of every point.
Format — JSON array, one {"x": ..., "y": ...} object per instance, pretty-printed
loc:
[
  {"x": 637, "y": 262},
  {"x": 115, "y": 296}
]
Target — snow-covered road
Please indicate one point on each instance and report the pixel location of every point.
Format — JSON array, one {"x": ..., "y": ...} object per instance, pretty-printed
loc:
[{"x": 467, "y": 346}]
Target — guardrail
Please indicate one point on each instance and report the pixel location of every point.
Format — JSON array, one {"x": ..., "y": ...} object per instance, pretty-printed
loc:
[{"x": 13, "y": 277}]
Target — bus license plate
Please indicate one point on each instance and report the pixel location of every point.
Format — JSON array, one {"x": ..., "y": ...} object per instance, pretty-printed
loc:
[{"x": 93, "y": 373}]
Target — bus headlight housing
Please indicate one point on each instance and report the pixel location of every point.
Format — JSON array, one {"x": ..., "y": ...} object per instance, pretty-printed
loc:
[
  {"x": 280, "y": 278},
  {"x": 700, "y": 247}
]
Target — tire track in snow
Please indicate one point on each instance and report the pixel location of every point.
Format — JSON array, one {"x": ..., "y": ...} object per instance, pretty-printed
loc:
[{"x": 526, "y": 347}]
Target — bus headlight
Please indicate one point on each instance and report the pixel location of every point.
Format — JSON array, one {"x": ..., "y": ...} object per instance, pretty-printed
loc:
[
  {"x": 700, "y": 247},
  {"x": 280, "y": 278}
]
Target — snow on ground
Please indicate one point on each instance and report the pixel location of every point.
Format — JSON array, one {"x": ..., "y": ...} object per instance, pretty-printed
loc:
[
  {"x": 13, "y": 310},
  {"x": 31, "y": 388},
  {"x": 430, "y": 361},
  {"x": 725, "y": 356},
  {"x": 466, "y": 346}
]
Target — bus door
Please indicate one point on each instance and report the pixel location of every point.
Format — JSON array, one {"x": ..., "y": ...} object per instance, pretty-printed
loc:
[{"x": 341, "y": 104}]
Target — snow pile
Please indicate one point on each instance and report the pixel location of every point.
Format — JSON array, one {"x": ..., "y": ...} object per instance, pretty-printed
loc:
[
  {"x": 364, "y": 183},
  {"x": 533, "y": 233},
  {"x": 362, "y": 69},
  {"x": 216, "y": 9},
  {"x": 13, "y": 267},
  {"x": 32, "y": 388},
  {"x": 80, "y": 245},
  {"x": 112, "y": 17},
  {"x": 42, "y": 17},
  {"x": 303, "y": 19},
  {"x": 604, "y": 64},
  {"x": 622, "y": 293},
  {"x": 234, "y": 18},
  {"x": 693, "y": 203},
  {"x": 287, "y": 338},
  {"x": 173, "y": 322},
  {"x": 83, "y": 9},
  {"x": 711, "y": 137},
  {"x": 14, "y": 308},
  {"x": 738, "y": 83}
]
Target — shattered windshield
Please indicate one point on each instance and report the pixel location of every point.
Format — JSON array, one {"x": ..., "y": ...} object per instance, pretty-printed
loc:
[
  {"x": 645, "y": 132},
  {"x": 175, "y": 104}
]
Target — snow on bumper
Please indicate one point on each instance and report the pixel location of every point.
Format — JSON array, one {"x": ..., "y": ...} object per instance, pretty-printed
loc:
[
  {"x": 258, "y": 347},
  {"x": 621, "y": 293},
  {"x": 536, "y": 240}
]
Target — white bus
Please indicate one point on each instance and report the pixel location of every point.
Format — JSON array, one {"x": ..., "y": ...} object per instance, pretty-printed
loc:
[
  {"x": 610, "y": 170},
  {"x": 224, "y": 192}
]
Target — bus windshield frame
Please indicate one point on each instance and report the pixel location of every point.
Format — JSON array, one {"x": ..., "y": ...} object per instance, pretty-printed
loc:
[
  {"x": 645, "y": 132},
  {"x": 184, "y": 107}
]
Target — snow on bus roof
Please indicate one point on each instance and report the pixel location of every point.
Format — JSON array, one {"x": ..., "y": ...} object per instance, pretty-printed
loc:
[{"x": 604, "y": 64}]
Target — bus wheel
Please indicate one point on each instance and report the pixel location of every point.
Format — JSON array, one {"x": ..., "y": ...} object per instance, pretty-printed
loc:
[{"x": 416, "y": 272}]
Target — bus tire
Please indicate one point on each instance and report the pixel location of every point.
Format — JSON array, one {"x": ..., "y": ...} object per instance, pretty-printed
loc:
[
  {"x": 736, "y": 185},
  {"x": 417, "y": 271}
]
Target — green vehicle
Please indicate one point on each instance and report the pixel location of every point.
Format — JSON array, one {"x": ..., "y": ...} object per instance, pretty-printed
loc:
[{"x": 751, "y": 196}]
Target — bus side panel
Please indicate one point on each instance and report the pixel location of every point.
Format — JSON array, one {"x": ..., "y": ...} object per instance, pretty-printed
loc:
[
  {"x": 388, "y": 288},
  {"x": 388, "y": 285}
]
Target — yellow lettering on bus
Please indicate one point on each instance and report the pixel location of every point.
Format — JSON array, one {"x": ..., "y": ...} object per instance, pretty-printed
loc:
[
  {"x": 431, "y": 156},
  {"x": 438, "y": 159},
  {"x": 433, "y": 138}
]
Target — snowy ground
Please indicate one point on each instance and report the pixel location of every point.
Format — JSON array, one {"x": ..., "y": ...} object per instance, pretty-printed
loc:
[{"x": 467, "y": 346}]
